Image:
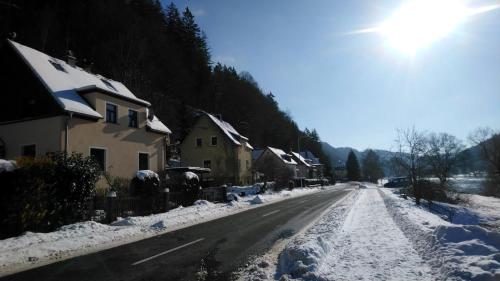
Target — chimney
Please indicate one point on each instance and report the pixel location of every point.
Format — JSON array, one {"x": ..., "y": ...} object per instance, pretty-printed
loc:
[
  {"x": 219, "y": 116},
  {"x": 70, "y": 58},
  {"x": 87, "y": 65}
]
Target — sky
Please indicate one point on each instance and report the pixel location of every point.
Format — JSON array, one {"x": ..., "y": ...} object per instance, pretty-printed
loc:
[{"x": 356, "y": 88}]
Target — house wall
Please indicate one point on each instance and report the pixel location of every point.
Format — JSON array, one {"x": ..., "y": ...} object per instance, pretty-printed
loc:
[
  {"x": 245, "y": 171},
  {"x": 303, "y": 171},
  {"x": 46, "y": 133},
  {"x": 272, "y": 166},
  {"x": 223, "y": 156},
  {"x": 121, "y": 142}
]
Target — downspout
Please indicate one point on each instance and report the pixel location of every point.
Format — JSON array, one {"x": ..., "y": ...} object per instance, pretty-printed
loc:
[{"x": 66, "y": 133}]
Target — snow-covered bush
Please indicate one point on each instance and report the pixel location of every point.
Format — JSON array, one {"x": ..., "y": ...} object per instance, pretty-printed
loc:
[{"x": 46, "y": 192}]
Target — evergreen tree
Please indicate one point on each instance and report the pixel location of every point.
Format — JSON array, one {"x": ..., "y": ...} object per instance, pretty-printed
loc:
[
  {"x": 372, "y": 169},
  {"x": 352, "y": 166}
]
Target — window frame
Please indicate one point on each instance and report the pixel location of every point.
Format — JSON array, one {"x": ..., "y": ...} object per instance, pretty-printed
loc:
[
  {"x": 139, "y": 160},
  {"x": 105, "y": 155},
  {"x": 106, "y": 112},
  {"x": 136, "y": 118},
  {"x": 22, "y": 146},
  {"x": 212, "y": 140}
]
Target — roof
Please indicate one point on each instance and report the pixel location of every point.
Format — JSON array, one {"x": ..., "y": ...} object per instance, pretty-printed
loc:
[
  {"x": 65, "y": 82},
  {"x": 285, "y": 157},
  {"x": 229, "y": 131},
  {"x": 156, "y": 125},
  {"x": 301, "y": 159},
  {"x": 310, "y": 158},
  {"x": 256, "y": 153}
]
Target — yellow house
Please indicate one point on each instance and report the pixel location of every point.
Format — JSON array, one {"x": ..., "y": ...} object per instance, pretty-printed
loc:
[
  {"x": 61, "y": 107},
  {"x": 215, "y": 144}
]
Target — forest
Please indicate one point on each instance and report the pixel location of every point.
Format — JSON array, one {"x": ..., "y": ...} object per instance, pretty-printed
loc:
[{"x": 161, "y": 54}]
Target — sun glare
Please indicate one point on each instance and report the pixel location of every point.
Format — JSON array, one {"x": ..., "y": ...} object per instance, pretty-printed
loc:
[{"x": 418, "y": 23}]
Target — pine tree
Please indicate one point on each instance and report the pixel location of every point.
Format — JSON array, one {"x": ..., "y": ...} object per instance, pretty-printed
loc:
[
  {"x": 352, "y": 166},
  {"x": 372, "y": 169}
]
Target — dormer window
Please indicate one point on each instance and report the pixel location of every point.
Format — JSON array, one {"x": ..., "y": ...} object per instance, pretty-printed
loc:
[
  {"x": 57, "y": 66},
  {"x": 111, "y": 111},
  {"x": 109, "y": 85},
  {"x": 132, "y": 118}
]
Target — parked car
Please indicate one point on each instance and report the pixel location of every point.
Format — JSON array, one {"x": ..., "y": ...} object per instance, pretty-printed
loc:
[{"x": 397, "y": 182}]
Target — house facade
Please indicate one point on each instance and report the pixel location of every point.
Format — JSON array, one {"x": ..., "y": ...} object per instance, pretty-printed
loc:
[
  {"x": 317, "y": 170},
  {"x": 61, "y": 107},
  {"x": 304, "y": 169},
  {"x": 276, "y": 165},
  {"x": 215, "y": 144}
]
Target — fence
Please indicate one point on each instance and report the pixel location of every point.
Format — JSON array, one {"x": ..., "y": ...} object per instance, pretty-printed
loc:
[{"x": 108, "y": 208}]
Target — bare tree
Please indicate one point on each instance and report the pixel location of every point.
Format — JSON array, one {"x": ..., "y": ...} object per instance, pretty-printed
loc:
[
  {"x": 442, "y": 154},
  {"x": 411, "y": 145},
  {"x": 488, "y": 142}
]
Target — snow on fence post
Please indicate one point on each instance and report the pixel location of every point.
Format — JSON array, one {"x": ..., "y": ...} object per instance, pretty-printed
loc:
[
  {"x": 111, "y": 202},
  {"x": 224, "y": 193},
  {"x": 166, "y": 198}
]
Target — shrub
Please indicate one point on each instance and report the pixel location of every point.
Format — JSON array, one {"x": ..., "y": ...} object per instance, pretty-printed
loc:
[{"x": 46, "y": 192}]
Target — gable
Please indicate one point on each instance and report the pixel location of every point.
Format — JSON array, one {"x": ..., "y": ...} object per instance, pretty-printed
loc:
[{"x": 23, "y": 95}]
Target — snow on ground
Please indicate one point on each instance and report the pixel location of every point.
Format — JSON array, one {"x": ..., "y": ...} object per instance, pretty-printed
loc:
[
  {"x": 34, "y": 249},
  {"x": 264, "y": 267},
  {"x": 456, "y": 251},
  {"x": 376, "y": 235},
  {"x": 357, "y": 241},
  {"x": 487, "y": 208}
]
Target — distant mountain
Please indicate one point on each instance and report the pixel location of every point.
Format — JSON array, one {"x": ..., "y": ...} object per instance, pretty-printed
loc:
[
  {"x": 470, "y": 158},
  {"x": 338, "y": 155}
]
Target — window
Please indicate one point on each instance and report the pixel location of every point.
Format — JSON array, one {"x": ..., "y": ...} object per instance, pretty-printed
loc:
[
  {"x": 28, "y": 150},
  {"x": 198, "y": 142},
  {"x": 109, "y": 85},
  {"x": 99, "y": 155},
  {"x": 2, "y": 149},
  {"x": 111, "y": 113},
  {"x": 214, "y": 141},
  {"x": 57, "y": 66},
  {"x": 207, "y": 164},
  {"x": 132, "y": 118},
  {"x": 143, "y": 161}
]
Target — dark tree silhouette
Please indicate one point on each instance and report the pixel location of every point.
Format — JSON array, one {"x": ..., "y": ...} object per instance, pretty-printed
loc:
[
  {"x": 352, "y": 166},
  {"x": 372, "y": 169}
]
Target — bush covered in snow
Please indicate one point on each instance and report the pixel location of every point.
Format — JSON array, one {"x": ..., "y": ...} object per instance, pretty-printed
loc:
[{"x": 46, "y": 192}]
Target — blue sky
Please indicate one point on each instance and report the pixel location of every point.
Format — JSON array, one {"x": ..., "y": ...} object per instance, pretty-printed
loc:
[{"x": 353, "y": 88}]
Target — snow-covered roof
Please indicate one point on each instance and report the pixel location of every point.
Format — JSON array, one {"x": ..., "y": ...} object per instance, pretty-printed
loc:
[
  {"x": 65, "y": 82},
  {"x": 256, "y": 153},
  {"x": 285, "y": 157},
  {"x": 157, "y": 126},
  {"x": 310, "y": 157},
  {"x": 301, "y": 159},
  {"x": 230, "y": 131}
]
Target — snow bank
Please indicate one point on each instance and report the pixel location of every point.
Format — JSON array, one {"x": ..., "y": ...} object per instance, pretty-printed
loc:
[
  {"x": 7, "y": 165},
  {"x": 257, "y": 200},
  {"x": 302, "y": 256},
  {"x": 458, "y": 251},
  {"x": 246, "y": 190},
  {"x": 146, "y": 174},
  {"x": 30, "y": 249}
]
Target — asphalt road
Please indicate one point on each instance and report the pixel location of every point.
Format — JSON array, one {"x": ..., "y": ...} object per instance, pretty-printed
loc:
[{"x": 216, "y": 247}]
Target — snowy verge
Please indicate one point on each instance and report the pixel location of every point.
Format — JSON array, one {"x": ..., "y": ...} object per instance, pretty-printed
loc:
[
  {"x": 456, "y": 251},
  {"x": 36, "y": 249},
  {"x": 267, "y": 266},
  {"x": 303, "y": 255}
]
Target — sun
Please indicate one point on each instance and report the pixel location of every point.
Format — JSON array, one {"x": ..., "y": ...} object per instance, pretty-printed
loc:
[{"x": 418, "y": 23}]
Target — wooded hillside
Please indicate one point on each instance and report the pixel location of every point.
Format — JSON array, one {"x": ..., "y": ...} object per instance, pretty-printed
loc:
[{"x": 161, "y": 54}]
